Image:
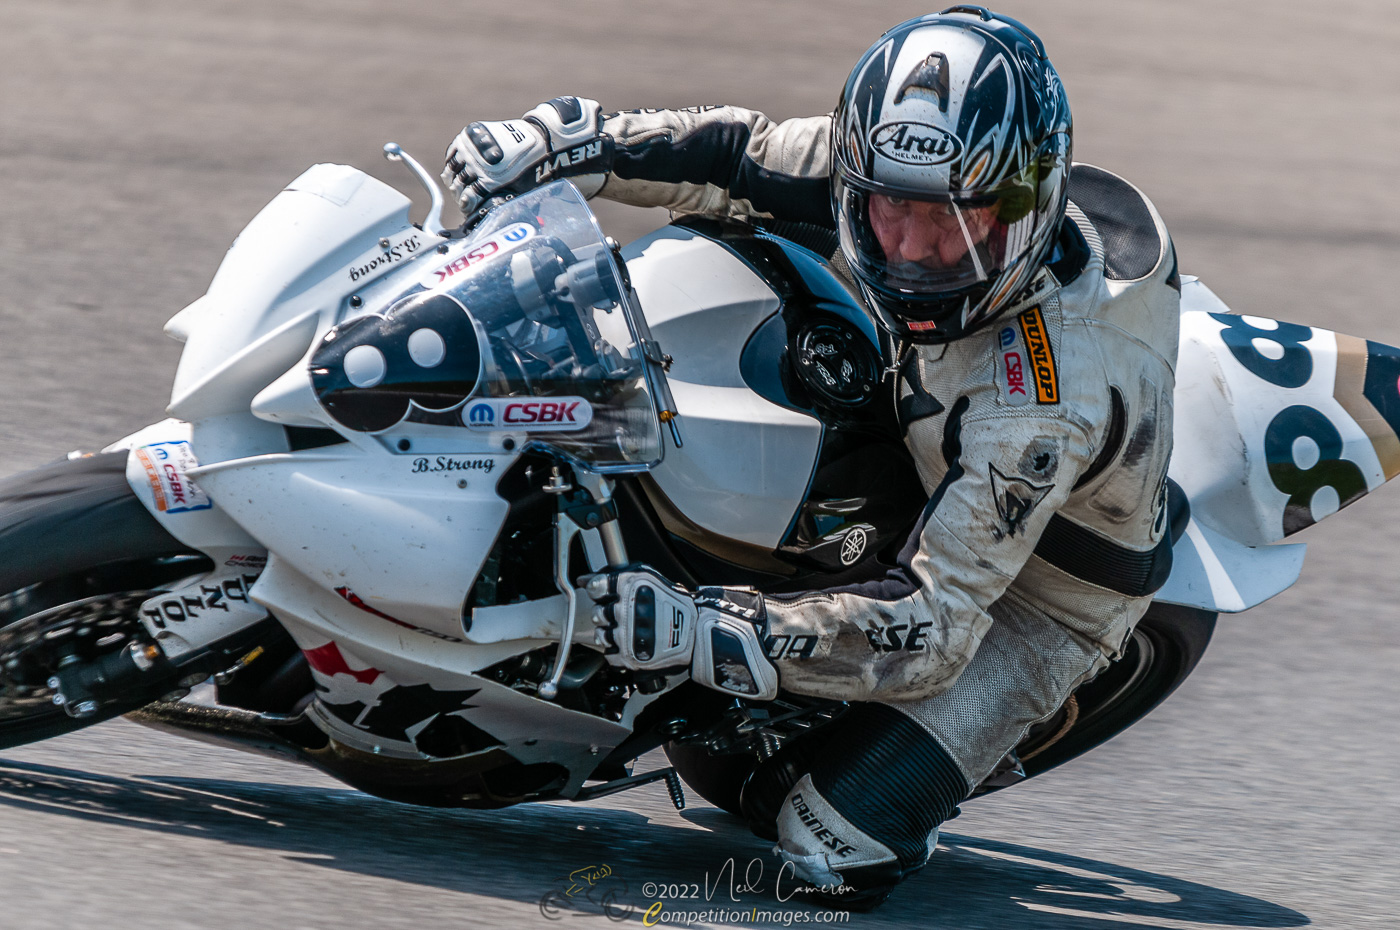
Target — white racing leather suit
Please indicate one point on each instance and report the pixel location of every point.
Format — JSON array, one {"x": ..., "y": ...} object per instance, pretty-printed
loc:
[{"x": 1042, "y": 441}]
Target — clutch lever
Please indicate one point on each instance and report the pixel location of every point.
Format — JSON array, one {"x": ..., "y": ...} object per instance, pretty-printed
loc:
[{"x": 432, "y": 223}]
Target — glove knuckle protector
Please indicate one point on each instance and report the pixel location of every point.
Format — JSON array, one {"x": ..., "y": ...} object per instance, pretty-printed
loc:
[
  {"x": 650, "y": 623},
  {"x": 567, "y": 121},
  {"x": 500, "y": 156}
]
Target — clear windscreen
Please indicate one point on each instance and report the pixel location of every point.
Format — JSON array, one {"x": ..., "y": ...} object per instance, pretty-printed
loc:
[{"x": 525, "y": 326}]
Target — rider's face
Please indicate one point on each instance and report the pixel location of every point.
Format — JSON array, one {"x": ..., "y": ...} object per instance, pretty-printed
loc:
[{"x": 925, "y": 233}]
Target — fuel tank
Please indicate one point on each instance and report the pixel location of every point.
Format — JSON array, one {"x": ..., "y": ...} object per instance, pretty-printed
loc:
[{"x": 792, "y": 463}]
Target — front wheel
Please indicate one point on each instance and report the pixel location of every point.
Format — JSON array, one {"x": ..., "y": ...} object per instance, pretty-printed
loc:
[{"x": 79, "y": 553}]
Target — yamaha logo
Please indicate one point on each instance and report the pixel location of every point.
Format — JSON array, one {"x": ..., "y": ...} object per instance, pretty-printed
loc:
[
  {"x": 853, "y": 546},
  {"x": 915, "y": 143}
]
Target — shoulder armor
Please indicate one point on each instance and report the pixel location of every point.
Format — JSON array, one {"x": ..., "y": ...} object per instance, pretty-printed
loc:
[{"x": 1135, "y": 243}]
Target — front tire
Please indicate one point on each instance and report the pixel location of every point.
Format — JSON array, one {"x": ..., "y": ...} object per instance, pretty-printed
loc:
[{"x": 79, "y": 553}]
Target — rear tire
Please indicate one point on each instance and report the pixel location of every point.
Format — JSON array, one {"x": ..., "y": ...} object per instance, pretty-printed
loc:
[{"x": 79, "y": 553}]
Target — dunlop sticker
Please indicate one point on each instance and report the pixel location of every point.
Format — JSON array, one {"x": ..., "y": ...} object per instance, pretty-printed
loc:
[{"x": 1042, "y": 358}]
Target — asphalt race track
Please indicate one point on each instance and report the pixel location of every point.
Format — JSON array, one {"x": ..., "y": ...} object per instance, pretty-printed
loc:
[{"x": 138, "y": 136}]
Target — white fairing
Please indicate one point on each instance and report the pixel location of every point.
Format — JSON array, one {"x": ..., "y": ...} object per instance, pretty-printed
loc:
[
  {"x": 314, "y": 243},
  {"x": 364, "y": 549},
  {"x": 409, "y": 543},
  {"x": 702, "y": 304},
  {"x": 212, "y": 605},
  {"x": 357, "y": 658}
]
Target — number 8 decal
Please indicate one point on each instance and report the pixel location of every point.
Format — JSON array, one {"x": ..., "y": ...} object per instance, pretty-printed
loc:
[
  {"x": 1294, "y": 365},
  {"x": 1301, "y": 483}
]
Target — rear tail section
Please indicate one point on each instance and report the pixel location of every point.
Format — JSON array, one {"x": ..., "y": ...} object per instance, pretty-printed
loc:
[{"x": 1278, "y": 425}]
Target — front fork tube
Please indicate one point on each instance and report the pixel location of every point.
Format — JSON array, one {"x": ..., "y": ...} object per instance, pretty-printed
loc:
[{"x": 590, "y": 506}]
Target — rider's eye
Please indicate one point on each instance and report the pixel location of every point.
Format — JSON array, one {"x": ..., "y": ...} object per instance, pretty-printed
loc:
[{"x": 896, "y": 201}]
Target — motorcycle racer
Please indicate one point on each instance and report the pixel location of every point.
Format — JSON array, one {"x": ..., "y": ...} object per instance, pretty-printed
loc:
[{"x": 1033, "y": 313}]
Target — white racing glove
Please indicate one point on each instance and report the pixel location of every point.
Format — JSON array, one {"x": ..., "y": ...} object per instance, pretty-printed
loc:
[
  {"x": 558, "y": 138},
  {"x": 645, "y": 623}
]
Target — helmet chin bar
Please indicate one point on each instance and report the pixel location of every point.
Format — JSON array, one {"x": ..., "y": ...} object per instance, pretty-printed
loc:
[{"x": 892, "y": 314}]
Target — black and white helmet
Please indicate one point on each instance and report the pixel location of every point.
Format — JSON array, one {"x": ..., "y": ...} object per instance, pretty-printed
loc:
[{"x": 950, "y": 162}]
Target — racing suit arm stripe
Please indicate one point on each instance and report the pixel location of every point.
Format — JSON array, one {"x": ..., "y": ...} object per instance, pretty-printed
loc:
[
  {"x": 724, "y": 161},
  {"x": 910, "y": 635}
]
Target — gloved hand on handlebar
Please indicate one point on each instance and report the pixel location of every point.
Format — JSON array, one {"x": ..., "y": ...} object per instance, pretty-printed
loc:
[
  {"x": 558, "y": 138},
  {"x": 645, "y": 623}
]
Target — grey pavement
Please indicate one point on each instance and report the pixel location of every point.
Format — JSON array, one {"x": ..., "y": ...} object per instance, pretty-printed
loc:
[{"x": 138, "y": 136}]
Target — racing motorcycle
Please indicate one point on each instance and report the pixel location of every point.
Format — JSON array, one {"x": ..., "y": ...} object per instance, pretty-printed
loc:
[{"x": 394, "y": 448}]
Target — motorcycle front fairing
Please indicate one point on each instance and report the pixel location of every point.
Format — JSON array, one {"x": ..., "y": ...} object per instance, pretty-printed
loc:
[{"x": 367, "y": 466}]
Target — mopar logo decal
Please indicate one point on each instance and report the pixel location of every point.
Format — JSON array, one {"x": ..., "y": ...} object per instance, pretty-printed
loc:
[
  {"x": 481, "y": 415},
  {"x": 508, "y": 413},
  {"x": 915, "y": 143}
]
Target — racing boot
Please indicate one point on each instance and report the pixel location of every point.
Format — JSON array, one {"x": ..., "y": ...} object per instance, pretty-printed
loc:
[{"x": 863, "y": 805}]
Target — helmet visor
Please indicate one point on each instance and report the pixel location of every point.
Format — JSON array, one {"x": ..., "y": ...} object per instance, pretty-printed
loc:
[{"x": 915, "y": 245}]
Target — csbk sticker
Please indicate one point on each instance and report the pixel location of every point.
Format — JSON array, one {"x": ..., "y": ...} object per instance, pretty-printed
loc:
[
  {"x": 1012, "y": 367},
  {"x": 556, "y": 413},
  {"x": 1041, "y": 356},
  {"x": 501, "y": 242},
  {"x": 166, "y": 464}
]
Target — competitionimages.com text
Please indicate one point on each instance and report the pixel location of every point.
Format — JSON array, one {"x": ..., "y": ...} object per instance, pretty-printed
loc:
[{"x": 658, "y": 914}]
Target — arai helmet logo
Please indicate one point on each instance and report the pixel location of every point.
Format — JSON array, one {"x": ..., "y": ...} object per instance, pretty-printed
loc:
[{"x": 915, "y": 143}]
